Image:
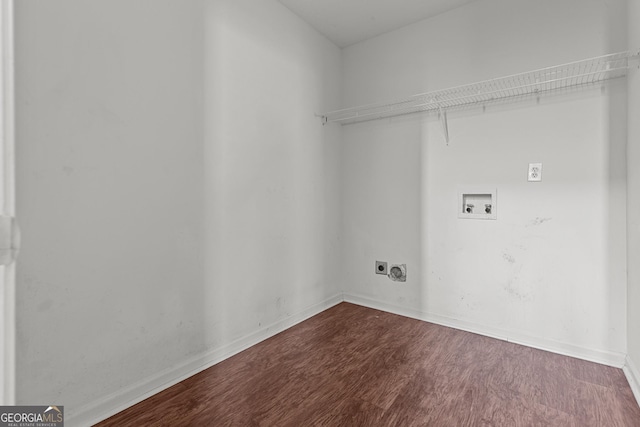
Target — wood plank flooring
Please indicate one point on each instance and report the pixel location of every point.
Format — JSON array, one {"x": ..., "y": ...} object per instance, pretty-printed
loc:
[{"x": 354, "y": 366}]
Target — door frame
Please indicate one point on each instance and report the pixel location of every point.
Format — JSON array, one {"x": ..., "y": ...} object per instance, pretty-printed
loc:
[{"x": 7, "y": 201}]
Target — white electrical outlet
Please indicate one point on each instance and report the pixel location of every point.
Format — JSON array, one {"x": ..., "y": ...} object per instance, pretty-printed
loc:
[{"x": 535, "y": 172}]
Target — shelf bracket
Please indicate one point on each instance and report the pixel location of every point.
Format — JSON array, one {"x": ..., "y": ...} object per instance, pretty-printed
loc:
[
  {"x": 322, "y": 117},
  {"x": 442, "y": 115},
  {"x": 636, "y": 58}
]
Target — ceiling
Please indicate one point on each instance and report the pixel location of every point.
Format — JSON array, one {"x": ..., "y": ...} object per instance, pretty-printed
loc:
[{"x": 346, "y": 22}]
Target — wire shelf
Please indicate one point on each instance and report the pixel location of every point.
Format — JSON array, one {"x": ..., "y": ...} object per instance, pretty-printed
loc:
[{"x": 574, "y": 74}]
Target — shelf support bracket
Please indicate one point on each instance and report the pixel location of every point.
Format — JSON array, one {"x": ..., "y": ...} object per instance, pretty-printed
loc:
[
  {"x": 635, "y": 58},
  {"x": 322, "y": 117},
  {"x": 442, "y": 115}
]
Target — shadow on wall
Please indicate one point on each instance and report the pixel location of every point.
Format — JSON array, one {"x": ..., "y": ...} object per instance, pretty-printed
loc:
[{"x": 271, "y": 191}]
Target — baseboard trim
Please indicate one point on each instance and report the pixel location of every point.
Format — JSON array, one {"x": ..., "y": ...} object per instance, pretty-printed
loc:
[
  {"x": 111, "y": 404},
  {"x": 599, "y": 356},
  {"x": 633, "y": 377}
]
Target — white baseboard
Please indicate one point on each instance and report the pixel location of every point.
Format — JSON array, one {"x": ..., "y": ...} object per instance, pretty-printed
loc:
[
  {"x": 633, "y": 377},
  {"x": 102, "y": 409},
  {"x": 599, "y": 356}
]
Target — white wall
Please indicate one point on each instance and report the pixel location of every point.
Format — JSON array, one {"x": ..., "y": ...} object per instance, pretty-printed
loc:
[
  {"x": 109, "y": 171},
  {"x": 177, "y": 196},
  {"x": 271, "y": 169},
  {"x": 633, "y": 203},
  {"x": 551, "y": 270}
]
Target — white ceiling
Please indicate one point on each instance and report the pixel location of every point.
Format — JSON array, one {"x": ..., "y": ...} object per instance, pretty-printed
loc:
[{"x": 350, "y": 21}]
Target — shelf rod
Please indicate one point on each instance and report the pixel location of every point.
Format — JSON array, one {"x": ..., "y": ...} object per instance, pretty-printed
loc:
[{"x": 433, "y": 105}]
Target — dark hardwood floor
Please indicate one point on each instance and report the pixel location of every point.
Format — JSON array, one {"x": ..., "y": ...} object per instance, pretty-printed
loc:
[{"x": 354, "y": 366}]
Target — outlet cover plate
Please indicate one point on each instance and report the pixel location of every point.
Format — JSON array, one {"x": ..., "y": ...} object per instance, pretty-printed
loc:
[
  {"x": 535, "y": 172},
  {"x": 381, "y": 267}
]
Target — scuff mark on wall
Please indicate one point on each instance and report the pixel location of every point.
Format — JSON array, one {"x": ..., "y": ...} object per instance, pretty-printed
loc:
[
  {"x": 538, "y": 221},
  {"x": 515, "y": 287},
  {"x": 517, "y": 292},
  {"x": 509, "y": 258}
]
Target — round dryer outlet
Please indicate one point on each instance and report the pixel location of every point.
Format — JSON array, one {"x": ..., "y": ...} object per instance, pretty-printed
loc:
[{"x": 398, "y": 272}]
